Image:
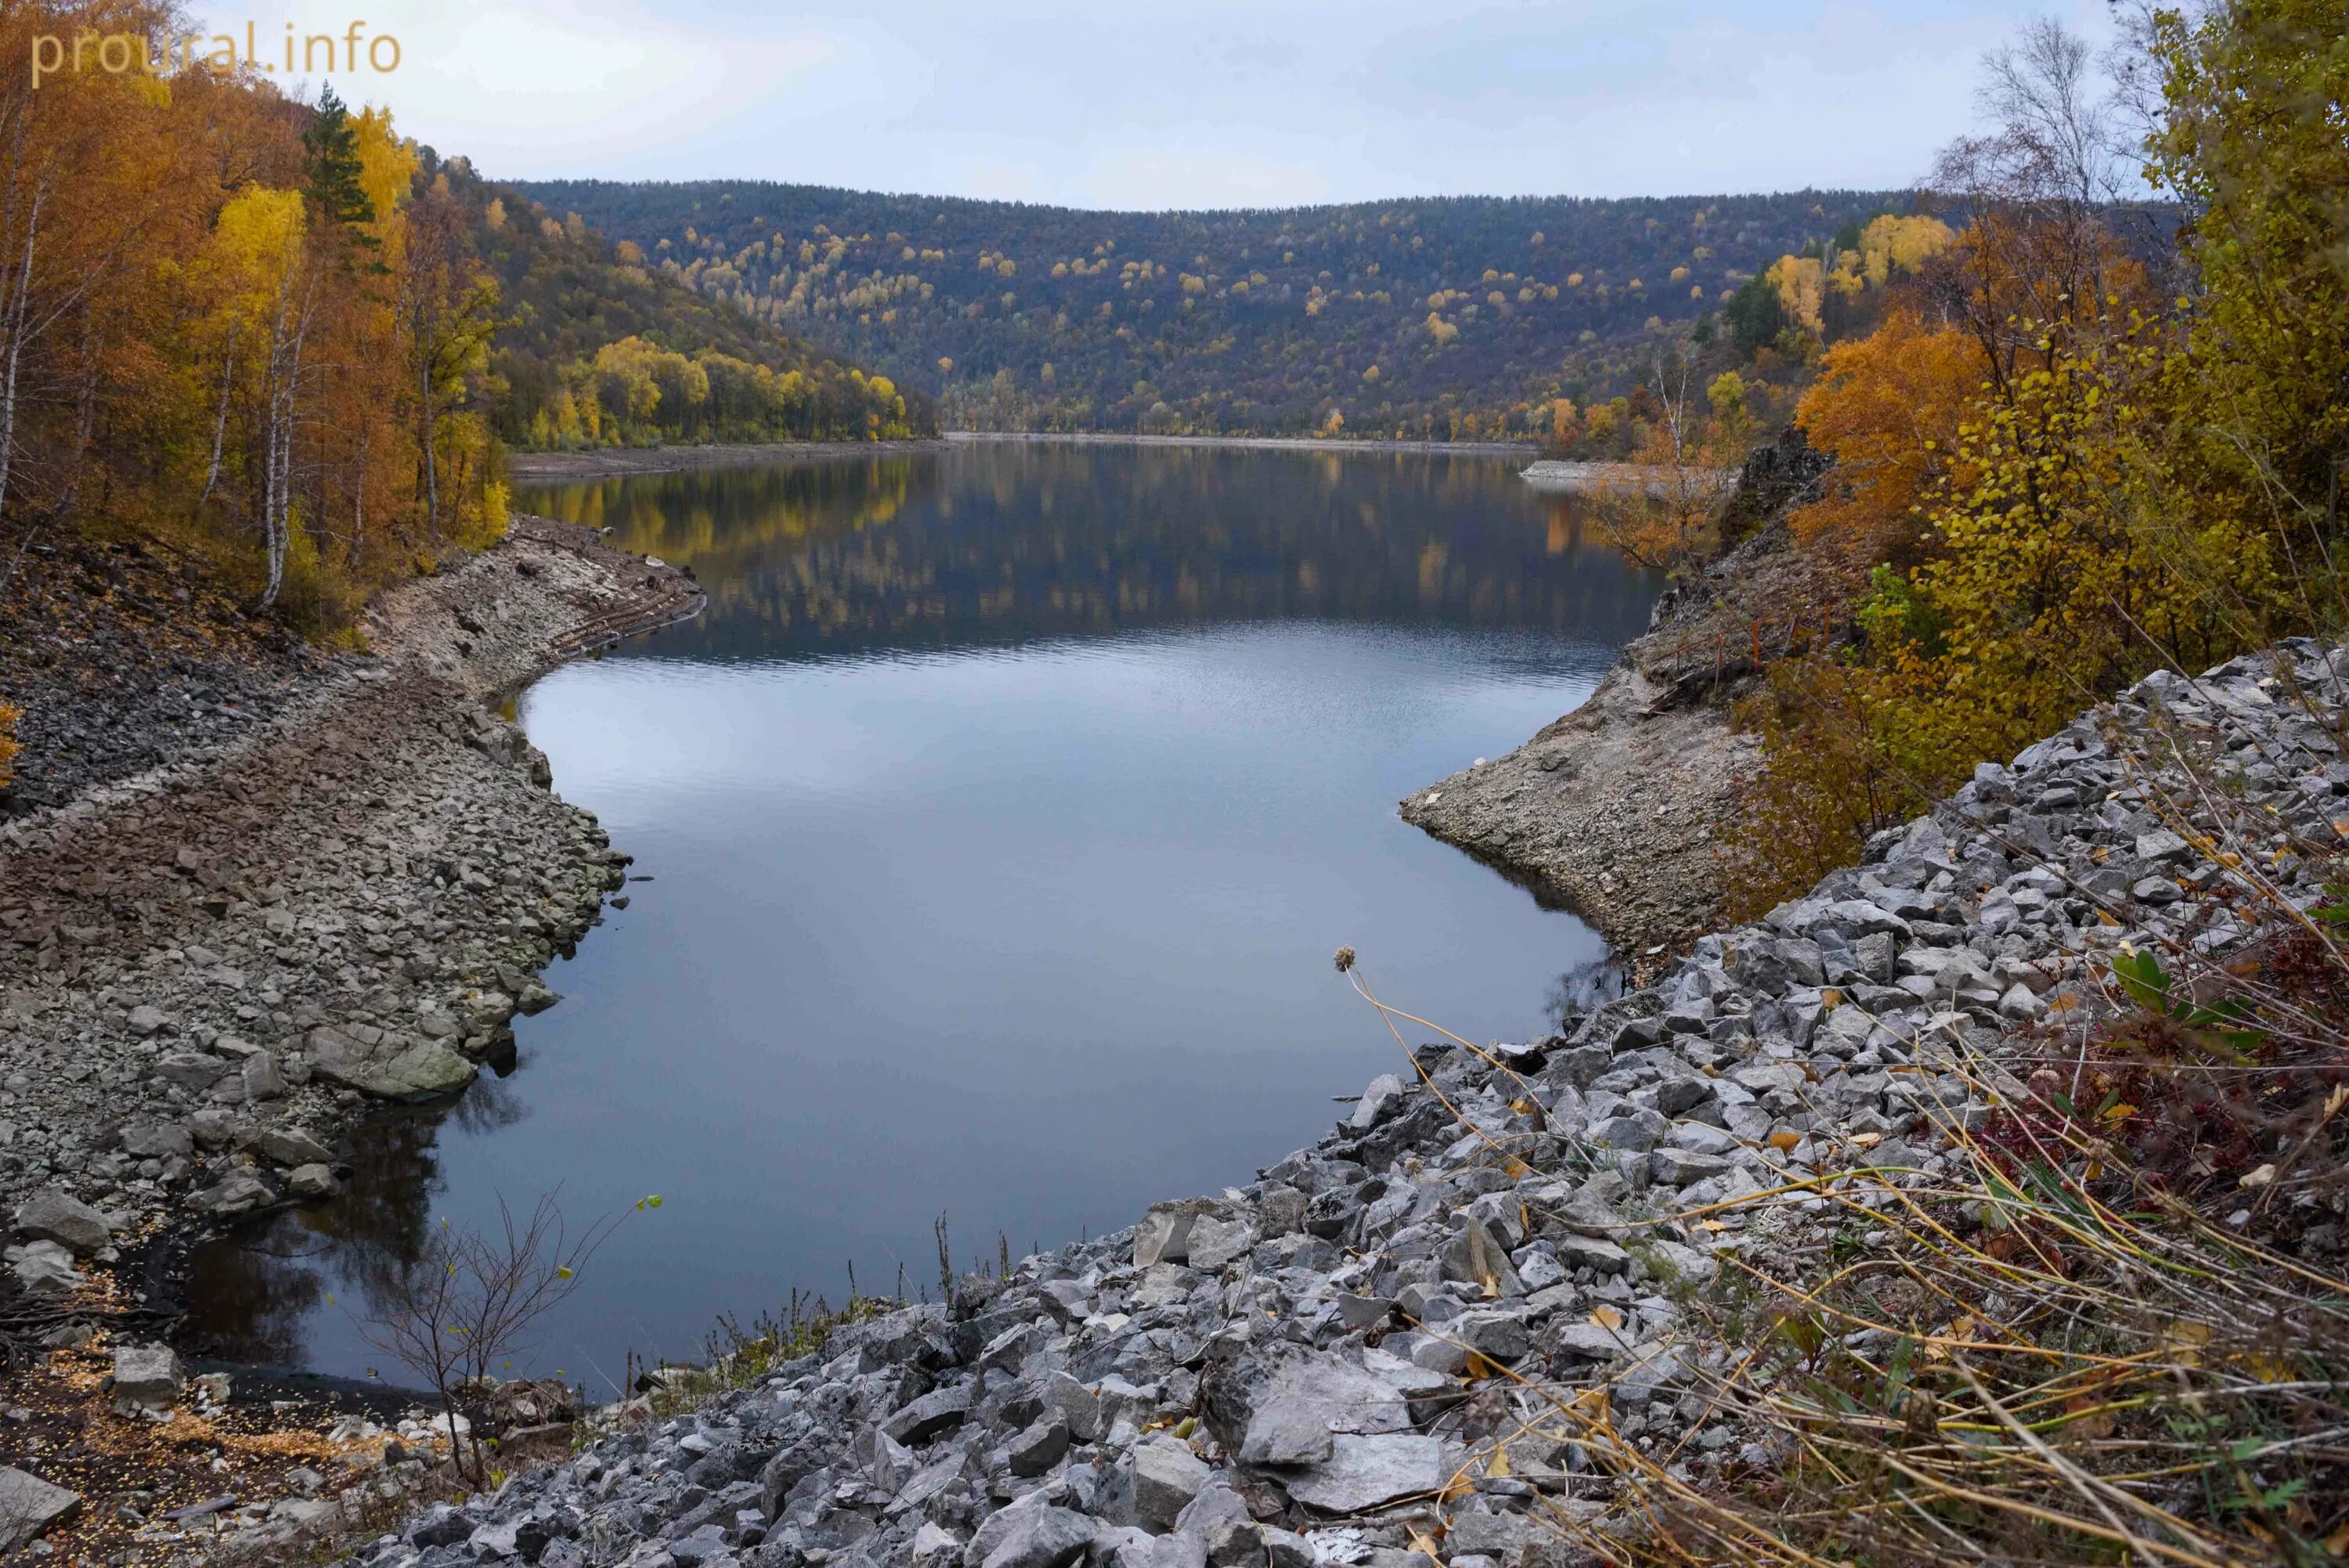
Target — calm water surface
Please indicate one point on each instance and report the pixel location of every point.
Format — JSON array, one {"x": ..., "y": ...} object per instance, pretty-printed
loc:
[{"x": 1000, "y": 817}]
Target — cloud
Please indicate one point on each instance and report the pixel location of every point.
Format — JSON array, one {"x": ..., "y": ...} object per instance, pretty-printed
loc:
[{"x": 1220, "y": 102}]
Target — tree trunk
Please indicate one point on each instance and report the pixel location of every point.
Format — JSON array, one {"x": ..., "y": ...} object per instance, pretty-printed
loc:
[{"x": 219, "y": 421}]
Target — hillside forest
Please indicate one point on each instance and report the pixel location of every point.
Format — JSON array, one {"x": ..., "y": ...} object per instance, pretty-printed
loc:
[
  {"x": 1458, "y": 318},
  {"x": 281, "y": 339},
  {"x": 2058, "y": 463}
]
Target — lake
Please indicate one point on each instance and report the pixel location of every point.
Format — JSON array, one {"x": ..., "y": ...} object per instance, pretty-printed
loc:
[{"x": 997, "y": 824}]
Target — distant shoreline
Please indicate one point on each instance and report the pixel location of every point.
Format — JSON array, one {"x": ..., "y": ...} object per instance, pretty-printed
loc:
[
  {"x": 1267, "y": 443},
  {"x": 610, "y": 462},
  {"x": 605, "y": 462}
]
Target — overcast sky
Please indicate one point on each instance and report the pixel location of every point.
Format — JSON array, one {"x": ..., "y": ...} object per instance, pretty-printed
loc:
[{"x": 1204, "y": 103}]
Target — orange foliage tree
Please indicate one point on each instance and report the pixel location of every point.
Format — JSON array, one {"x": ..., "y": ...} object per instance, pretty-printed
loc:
[
  {"x": 197, "y": 334},
  {"x": 1887, "y": 408}
]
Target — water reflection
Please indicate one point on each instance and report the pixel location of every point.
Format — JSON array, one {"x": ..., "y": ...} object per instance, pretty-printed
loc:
[{"x": 1010, "y": 543}]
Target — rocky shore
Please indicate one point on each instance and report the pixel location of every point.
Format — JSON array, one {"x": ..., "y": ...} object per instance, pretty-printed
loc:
[
  {"x": 1383, "y": 1349},
  {"x": 1613, "y": 809},
  {"x": 211, "y": 968}
]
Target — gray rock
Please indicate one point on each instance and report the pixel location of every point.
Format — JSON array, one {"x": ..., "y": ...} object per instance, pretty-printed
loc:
[
  {"x": 42, "y": 1268},
  {"x": 1215, "y": 1242},
  {"x": 292, "y": 1146},
  {"x": 313, "y": 1181},
  {"x": 29, "y": 1505},
  {"x": 1164, "y": 1236},
  {"x": 192, "y": 1070},
  {"x": 1678, "y": 1167},
  {"x": 262, "y": 1078},
  {"x": 59, "y": 1217},
  {"x": 157, "y": 1141},
  {"x": 1310, "y": 1399},
  {"x": 1507, "y": 1537},
  {"x": 146, "y": 1019},
  {"x": 1385, "y": 1091},
  {"x": 1040, "y": 1445},
  {"x": 1589, "y": 1251},
  {"x": 1031, "y": 1536},
  {"x": 237, "y": 1192},
  {"x": 1077, "y": 1404},
  {"x": 941, "y": 1410},
  {"x": 1166, "y": 1476},
  {"x": 1478, "y": 1255},
  {"x": 1496, "y": 1335},
  {"x": 1363, "y": 1473},
  {"x": 147, "y": 1378},
  {"x": 395, "y": 1068}
]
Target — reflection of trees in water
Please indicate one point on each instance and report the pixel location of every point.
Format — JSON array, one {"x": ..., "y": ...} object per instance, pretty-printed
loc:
[
  {"x": 249, "y": 1293},
  {"x": 1002, "y": 544}
]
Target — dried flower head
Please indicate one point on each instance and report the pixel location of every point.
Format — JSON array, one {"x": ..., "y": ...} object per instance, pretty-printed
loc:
[{"x": 1345, "y": 959}]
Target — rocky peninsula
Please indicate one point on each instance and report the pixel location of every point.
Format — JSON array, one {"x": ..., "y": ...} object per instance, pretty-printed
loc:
[{"x": 213, "y": 965}]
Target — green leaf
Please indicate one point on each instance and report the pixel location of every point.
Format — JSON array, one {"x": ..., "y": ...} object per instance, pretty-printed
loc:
[{"x": 2142, "y": 976}]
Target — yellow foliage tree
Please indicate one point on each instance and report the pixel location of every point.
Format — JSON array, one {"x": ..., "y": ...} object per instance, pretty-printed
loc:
[{"x": 1797, "y": 281}]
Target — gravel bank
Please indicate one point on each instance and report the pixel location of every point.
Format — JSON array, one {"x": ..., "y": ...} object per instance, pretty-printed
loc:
[
  {"x": 211, "y": 966},
  {"x": 1304, "y": 1369}
]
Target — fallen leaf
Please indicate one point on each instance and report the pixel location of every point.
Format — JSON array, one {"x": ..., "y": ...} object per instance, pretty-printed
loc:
[
  {"x": 1785, "y": 1141},
  {"x": 1606, "y": 1317},
  {"x": 2259, "y": 1178}
]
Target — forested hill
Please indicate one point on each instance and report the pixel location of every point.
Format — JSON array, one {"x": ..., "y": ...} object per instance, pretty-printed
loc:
[
  {"x": 1427, "y": 316},
  {"x": 596, "y": 348}
]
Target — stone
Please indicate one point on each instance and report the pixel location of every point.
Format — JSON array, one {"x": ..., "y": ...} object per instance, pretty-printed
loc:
[
  {"x": 941, "y": 1410},
  {"x": 313, "y": 1182},
  {"x": 1164, "y": 1236},
  {"x": 412, "y": 1070},
  {"x": 1505, "y": 1537},
  {"x": 1478, "y": 1255},
  {"x": 1166, "y": 1476},
  {"x": 1040, "y": 1445},
  {"x": 264, "y": 1080},
  {"x": 29, "y": 1506},
  {"x": 290, "y": 1146},
  {"x": 1034, "y": 1535},
  {"x": 192, "y": 1070},
  {"x": 1310, "y": 1399},
  {"x": 1496, "y": 1335},
  {"x": 157, "y": 1141},
  {"x": 932, "y": 1542},
  {"x": 1593, "y": 1253},
  {"x": 1384, "y": 1090},
  {"x": 146, "y": 1019},
  {"x": 1215, "y": 1242},
  {"x": 147, "y": 1380},
  {"x": 1078, "y": 1405},
  {"x": 238, "y": 1193},
  {"x": 1363, "y": 1473},
  {"x": 42, "y": 1268},
  {"x": 1678, "y": 1167},
  {"x": 59, "y": 1217}
]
